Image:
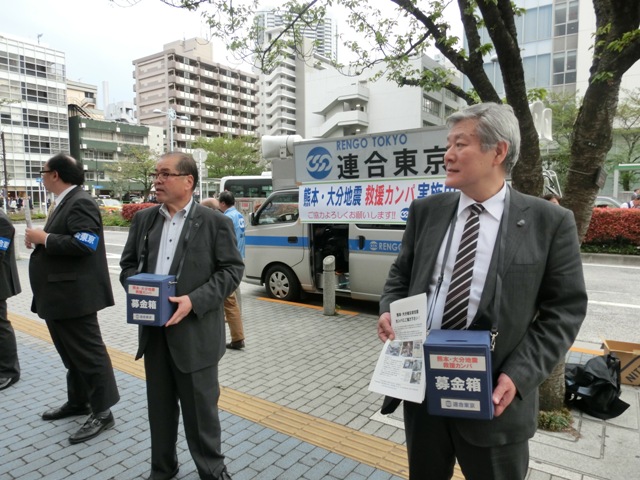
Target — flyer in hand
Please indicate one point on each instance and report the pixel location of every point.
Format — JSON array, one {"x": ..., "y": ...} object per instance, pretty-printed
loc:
[{"x": 400, "y": 371}]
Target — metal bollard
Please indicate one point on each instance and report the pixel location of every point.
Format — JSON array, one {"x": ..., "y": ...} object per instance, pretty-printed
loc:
[{"x": 329, "y": 285}]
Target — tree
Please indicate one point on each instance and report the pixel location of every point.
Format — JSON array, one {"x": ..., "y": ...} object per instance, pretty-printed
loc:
[
  {"x": 392, "y": 41},
  {"x": 627, "y": 131},
  {"x": 137, "y": 165},
  {"x": 230, "y": 156}
]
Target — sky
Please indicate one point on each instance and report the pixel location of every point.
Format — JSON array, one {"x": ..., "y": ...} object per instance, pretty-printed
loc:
[{"x": 101, "y": 38}]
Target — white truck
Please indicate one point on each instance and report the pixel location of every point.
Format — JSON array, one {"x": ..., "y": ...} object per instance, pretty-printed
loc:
[{"x": 347, "y": 197}]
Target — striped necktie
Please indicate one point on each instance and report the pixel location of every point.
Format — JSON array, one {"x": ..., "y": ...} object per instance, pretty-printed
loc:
[{"x": 455, "y": 307}]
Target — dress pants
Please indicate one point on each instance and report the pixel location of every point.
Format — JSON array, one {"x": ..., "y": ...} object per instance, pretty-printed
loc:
[
  {"x": 434, "y": 443},
  {"x": 233, "y": 317},
  {"x": 9, "y": 364},
  {"x": 90, "y": 377},
  {"x": 198, "y": 394}
]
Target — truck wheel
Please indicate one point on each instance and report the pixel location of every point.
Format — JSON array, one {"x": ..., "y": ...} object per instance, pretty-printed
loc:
[{"x": 282, "y": 283}]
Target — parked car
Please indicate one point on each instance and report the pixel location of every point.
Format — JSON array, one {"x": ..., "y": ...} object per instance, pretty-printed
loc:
[
  {"x": 109, "y": 205},
  {"x": 606, "y": 202}
]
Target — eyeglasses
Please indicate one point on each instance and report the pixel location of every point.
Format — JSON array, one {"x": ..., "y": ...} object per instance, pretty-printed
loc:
[
  {"x": 42, "y": 172},
  {"x": 165, "y": 175}
]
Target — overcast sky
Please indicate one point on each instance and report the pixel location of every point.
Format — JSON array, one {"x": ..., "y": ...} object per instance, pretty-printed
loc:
[{"x": 101, "y": 39}]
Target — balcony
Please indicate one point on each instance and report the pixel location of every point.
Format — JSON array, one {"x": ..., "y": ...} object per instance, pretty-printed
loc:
[{"x": 353, "y": 118}]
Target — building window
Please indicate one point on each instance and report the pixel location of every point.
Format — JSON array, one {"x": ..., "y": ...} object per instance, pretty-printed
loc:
[
  {"x": 566, "y": 17},
  {"x": 564, "y": 67},
  {"x": 430, "y": 106}
]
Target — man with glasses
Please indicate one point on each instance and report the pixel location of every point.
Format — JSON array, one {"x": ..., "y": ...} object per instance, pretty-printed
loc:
[
  {"x": 180, "y": 237},
  {"x": 70, "y": 281}
]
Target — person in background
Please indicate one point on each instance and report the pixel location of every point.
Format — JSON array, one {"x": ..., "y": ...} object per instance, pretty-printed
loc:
[
  {"x": 633, "y": 203},
  {"x": 524, "y": 245},
  {"x": 232, "y": 304},
  {"x": 232, "y": 312},
  {"x": 9, "y": 286},
  {"x": 180, "y": 237},
  {"x": 70, "y": 281},
  {"x": 553, "y": 198}
]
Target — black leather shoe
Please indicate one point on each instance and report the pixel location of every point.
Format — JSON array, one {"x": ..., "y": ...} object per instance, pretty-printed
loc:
[
  {"x": 152, "y": 477},
  {"x": 7, "y": 382},
  {"x": 65, "y": 411},
  {"x": 239, "y": 345},
  {"x": 92, "y": 428},
  {"x": 224, "y": 475}
]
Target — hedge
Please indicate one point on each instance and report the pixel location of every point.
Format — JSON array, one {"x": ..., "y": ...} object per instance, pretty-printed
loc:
[
  {"x": 129, "y": 209},
  {"x": 614, "y": 226}
]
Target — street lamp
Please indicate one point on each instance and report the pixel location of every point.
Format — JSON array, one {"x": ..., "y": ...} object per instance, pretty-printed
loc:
[{"x": 172, "y": 115}]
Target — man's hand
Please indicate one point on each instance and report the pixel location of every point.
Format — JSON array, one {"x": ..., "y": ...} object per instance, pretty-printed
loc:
[
  {"x": 503, "y": 394},
  {"x": 34, "y": 236},
  {"x": 184, "y": 307},
  {"x": 384, "y": 327}
]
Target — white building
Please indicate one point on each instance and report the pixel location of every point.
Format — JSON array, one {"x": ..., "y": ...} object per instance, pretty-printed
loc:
[
  {"x": 324, "y": 34},
  {"x": 34, "y": 122},
  {"x": 307, "y": 96}
]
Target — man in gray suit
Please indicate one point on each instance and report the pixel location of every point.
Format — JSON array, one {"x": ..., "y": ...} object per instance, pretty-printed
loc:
[
  {"x": 526, "y": 245},
  {"x": 182, "y": 238}
]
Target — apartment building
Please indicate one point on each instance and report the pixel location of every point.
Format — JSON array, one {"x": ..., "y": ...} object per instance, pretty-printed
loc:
[
  {"x": 100, "y": 144},
  {"x": 33, "y": 112},
  {"x": 182, "y": 90},
  {"x": 324, "y": 34}
]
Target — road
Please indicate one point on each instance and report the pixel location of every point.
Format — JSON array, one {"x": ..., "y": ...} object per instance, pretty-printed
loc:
[{"x": 614, "y": 303}]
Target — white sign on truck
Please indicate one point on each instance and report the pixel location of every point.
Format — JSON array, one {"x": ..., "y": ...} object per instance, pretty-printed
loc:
[{"x": 369, "y": 178}]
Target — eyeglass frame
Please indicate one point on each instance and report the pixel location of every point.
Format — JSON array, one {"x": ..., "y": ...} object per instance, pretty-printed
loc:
[
  {"x": 42, "y": 172},
  {"x": 164, "y": 176}
]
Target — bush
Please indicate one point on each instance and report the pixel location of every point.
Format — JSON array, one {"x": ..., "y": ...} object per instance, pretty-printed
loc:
[
  {"x": 129, "y": 210},
  {"x": 613, "y": 230}
]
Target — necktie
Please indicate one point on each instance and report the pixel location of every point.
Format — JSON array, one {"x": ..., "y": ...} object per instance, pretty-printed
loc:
[
  {"x": 455, "y": 307},
  {"x": 51, "y": 208}
]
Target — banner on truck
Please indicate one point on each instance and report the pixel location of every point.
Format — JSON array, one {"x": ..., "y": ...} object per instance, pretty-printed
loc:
[
  {"x": 367, "y": 201},
  {"x": 399, "y": 155}
]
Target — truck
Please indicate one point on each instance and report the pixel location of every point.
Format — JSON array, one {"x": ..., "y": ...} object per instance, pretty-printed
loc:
[{"x": 347, "y": 197}]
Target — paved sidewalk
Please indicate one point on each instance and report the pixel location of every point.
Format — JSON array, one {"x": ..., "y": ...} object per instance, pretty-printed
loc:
[{"x": 302, "y": 373}]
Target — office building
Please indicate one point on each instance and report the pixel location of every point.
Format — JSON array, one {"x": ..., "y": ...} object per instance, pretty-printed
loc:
[
  {"x": 182, "y": 90},
  {"x": 556, "y": 38},
  {"x": 33, "y": 112}
]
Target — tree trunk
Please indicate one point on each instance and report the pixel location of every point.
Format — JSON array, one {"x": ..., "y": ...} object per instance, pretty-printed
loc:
[{"x": 552, "y": 389}]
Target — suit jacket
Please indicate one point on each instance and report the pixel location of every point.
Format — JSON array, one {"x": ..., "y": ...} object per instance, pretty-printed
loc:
[
  {"x": 9, "y": 280},
  {"x": 543, "y": 302},
  {"x": 70, "y": 277},
  {"x": 211, "y": 271}
]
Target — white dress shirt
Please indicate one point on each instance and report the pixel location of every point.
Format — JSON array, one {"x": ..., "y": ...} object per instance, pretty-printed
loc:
[
  {"x": 489, "y": 227},
  {"x": 171, "y": 231}
]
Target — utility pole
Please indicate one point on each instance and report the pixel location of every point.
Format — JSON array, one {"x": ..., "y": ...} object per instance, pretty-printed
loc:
[{"x": 4, "y": 168}]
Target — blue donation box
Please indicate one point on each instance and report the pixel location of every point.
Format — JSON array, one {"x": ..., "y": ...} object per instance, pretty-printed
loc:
[
  {"x": 459, "y": 373},
  {"x": 148, "y": 299}
]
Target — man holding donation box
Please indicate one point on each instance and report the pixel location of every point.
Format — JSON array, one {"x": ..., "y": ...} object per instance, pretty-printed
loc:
[
  {"x": 198, "y": 246},
  {"x": 489, "y": 259}
]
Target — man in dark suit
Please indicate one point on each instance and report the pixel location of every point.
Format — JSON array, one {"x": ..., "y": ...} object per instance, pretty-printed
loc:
[
  {"x": 9, "y": 286},
  {"x": 542, "y": 303},
  {"x": 69, "y": 277},
  {"x": 182, "y": 238}
]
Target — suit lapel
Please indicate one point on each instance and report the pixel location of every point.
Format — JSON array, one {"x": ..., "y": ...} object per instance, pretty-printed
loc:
[
  {"x": 59, "y": 206},
  {"x": 189, "y": 231},
  {"x": 516, "y": 229}
]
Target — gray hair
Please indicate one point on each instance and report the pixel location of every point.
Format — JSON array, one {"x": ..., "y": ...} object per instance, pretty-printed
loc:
[{"x": 495, "y": 123}]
